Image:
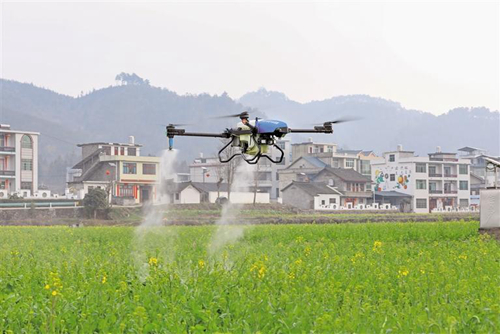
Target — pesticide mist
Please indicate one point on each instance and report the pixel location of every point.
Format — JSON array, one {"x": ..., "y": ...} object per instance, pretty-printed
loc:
[
  {"x": 153, "y": 239},
  {"x": 229, "y": 229}
]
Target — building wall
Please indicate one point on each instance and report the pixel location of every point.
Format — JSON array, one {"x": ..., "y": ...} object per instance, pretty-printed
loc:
[
  {"x": 326, "y": 198},
  {"x": 296, "y": 197},
  {"x": 189, "y": 195},
  {"x": 406, "y": 176},
  {"x": 26, "y": 176},
  {"x": 241, "y": 197}
]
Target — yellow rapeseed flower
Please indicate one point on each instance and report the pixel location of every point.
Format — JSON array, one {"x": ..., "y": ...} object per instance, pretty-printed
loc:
[
  {"x": 54, "y": 293},
  {"x": 201, "y": 264},
  {"x": 262, "y": 272},
  {"x": 47, "y": 286},
  {"x": 307, "y": 251},
  {"x": 153, "y": 261},
  {"x": 104, "y": 279},
  {"x": 377, "y": 245},
  {"x": 462, "y": 257},
  {"x": 403, "y": 272}
]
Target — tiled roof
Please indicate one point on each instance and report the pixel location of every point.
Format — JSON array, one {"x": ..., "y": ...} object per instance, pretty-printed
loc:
[
  {"x": 347, "y": 174},
  {"x": 313, "y": 188}
]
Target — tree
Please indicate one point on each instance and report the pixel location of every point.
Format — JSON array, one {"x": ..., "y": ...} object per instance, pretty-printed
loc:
[
  {"x": 131, "y": 79},
  {"x": 96, "y": 199},
  {"x": 227, "y": 170}
]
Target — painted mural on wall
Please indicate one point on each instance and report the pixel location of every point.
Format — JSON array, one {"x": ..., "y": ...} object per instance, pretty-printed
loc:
[{"x": 383, "y": 182}]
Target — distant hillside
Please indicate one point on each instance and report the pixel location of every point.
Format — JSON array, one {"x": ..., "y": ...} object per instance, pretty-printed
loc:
[
  {"x": 383, "y": 124},
  {"x": 112, "y": 114}
]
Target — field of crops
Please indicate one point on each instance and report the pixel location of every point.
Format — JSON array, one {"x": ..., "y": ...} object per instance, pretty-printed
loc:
[{"x": 412, "y": 277}]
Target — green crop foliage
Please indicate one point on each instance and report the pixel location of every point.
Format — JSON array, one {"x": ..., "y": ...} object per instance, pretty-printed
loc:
[{"x": 364, "y": 278}]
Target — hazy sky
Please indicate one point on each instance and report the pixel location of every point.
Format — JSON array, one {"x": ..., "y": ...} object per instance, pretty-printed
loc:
[{"x": 428, "y": 56}]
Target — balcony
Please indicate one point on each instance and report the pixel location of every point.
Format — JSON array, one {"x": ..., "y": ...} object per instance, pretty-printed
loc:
[
  {"x": 450, "y": 175},
  {"x": 449, "y": 191},
  {"x": 435, "y": 175},
  {"x": 435, "y": 191},
  {"x": 7, "y": 173},
  {"x": 7, "y": 149}
]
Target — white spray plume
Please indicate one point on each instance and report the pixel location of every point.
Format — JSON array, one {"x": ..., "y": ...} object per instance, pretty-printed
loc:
[
  {"x": 229, "y": 228},
  {"x": 152, "y": 237}
]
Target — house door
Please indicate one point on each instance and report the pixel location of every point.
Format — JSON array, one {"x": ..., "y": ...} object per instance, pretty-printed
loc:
[
  {"x": 432, "y": 204},
  {"x": 145, "y": 191}
]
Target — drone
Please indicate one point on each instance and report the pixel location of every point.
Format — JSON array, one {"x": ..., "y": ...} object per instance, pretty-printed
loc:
[{"x": 253, "y": 137}]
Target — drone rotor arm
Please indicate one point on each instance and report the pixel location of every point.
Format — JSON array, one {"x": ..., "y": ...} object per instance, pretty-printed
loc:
[{"x": 326, "y": 128}]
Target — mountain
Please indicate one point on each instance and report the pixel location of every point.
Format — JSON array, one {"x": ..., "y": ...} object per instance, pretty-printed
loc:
[
  {"x": 111, "y": 114},
  {"x": 136, "y": 108},
  {"x": 383, "y": 124}
]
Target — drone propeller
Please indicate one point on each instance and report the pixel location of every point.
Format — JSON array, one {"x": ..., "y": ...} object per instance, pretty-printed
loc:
[
  {"x": 177, "y": 124},
  {"x": 340, "y": 120},
  {"x": 240, "y": 115}
]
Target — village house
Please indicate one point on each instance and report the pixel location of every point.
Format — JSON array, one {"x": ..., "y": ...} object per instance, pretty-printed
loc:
[
  {"x": 19, "y": 163},
  {"x": 117, "y": 168}
]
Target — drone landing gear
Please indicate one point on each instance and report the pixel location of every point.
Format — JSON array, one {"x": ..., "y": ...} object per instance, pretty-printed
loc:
[{"x": 253, "y": 160}]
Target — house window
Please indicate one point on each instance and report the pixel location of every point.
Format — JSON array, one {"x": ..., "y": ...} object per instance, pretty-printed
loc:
[
  {"x": 132, "y": 151},
  {"x": 149, "y": 169},
  {"x": 26, "y": 142},
  {"x": 464, "y": 185},
  {"x": 107, "y": 150},
  {"x": 26, "y": 185},
  {"x": 122, "y": 150},
  {"x": 281, "y": 145},
  {"x": 277, "y": 193},
  {"x": 464, "y": 203},
  {"x": 421, "y": 184},
  {"x": 116, "y": 150},
  {"x": 177, "y": 196},
  {"x": 432, "y": 186},
  {"x": 335, "y": 163},
  {"x": 277, "y": 176},
  {"x": 129, "y": 168},
  {"x": 91, "y": 188},
  {"x": 392, "y": 158},
  {"x": 365, "y": 167},
  {"x": 333, "y": 201},
  {"x": 2, "y": 184},
  {"x": 323, "y": 202},
  {"x": 420, "y": 168},
  {"x": 27, "y": 164},
  {"x": 349, "y": 163},
  {"x": 421, "y": 203},
  {"x": 393, "y": 177},
  {"x": 462, "y": 169},
  {"x": 126, "y": 190}
]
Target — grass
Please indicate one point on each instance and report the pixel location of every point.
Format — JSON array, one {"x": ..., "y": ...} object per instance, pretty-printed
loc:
[{"x": 399, "y": 277}]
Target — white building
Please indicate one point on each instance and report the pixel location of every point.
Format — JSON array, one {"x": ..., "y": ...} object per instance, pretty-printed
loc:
[
  {"x": 196, "y": 192},
  {"x": 440, "y": 181},
  {"x": 18, "y": 162}
]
